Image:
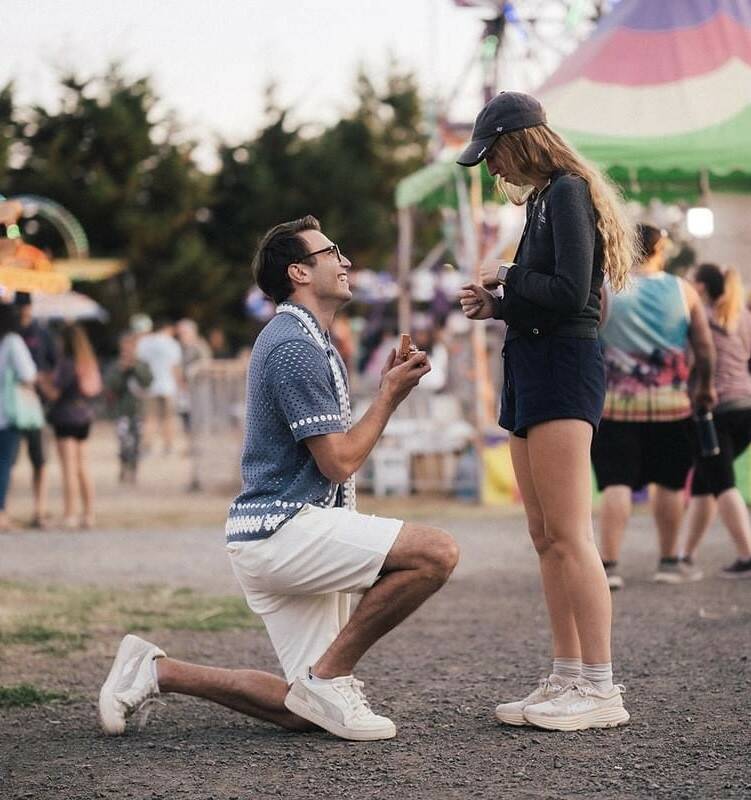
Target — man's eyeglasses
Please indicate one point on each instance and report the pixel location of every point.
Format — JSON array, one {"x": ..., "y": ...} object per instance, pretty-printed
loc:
[{"x": 332, "y": 248}]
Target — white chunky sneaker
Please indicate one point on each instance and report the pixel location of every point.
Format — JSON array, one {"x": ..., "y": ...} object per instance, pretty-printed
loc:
[
  {"x": 340, "y": 707},
  {"x": 513, "y": 713},
  {"x": 578, "y": 707},
  {"x": 130, "y": 683}
]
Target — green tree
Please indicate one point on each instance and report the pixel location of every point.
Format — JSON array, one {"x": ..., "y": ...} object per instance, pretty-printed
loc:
[
  {"x": 345, "y": 175},
  {"x": 122, "y": 166},
  {"x": 7, "y": 132},
  {"x": 110, "y": 157}
]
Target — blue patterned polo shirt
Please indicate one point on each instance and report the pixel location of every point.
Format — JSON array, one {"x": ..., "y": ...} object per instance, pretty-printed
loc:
[{"x": 291, "y": 395}]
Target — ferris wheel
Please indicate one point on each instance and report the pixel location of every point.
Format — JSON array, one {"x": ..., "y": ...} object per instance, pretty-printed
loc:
[{"x": 520, "y": 43}]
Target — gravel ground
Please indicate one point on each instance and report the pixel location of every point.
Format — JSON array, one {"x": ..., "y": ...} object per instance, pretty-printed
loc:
[{"x": 681, "y": 651}]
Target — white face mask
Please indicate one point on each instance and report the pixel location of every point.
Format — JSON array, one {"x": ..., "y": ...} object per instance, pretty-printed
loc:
[{"x": 518, "y": 195}]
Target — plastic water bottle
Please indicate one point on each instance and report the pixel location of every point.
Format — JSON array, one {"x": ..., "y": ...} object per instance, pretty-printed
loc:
[{"x": 708, "y": 444}]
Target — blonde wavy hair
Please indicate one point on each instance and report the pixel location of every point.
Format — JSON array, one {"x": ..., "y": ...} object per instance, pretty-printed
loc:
[{"x": 539, "y": 151}]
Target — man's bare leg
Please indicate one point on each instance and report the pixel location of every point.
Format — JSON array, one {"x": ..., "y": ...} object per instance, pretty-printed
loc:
[
  {"x": 257, "y": 694},
  {"x": 419, "y": 563}
]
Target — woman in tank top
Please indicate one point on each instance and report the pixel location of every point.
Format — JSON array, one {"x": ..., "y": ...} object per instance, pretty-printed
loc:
[{"x": 713, "y": 486}]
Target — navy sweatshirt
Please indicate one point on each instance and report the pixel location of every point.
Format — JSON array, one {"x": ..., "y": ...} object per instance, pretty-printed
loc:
[{"x": 555, "y": 287}]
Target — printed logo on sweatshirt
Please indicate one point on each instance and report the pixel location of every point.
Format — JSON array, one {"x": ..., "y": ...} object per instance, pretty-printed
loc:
[{"x": 541, "y": 218}]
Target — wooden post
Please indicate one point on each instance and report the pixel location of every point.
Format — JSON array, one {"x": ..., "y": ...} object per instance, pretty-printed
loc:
[
  {"x": 483, "y": 389},
  {"x": 404, "y": 264}
]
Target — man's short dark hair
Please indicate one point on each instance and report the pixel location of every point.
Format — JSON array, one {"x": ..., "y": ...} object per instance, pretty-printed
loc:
[{"x": 278, "y": 248}]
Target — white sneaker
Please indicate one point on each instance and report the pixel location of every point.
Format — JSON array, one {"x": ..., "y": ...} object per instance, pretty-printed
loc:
[
  {"x": 578, "y": 707},
  {"x": 615, "y": 580},
  {"x": 130, "y": 683},
  {"x": 340, "y": 707},
  {"x": 669, "y": 571},
  {"x": 513, "y": 713},
  {"x": 691, "y": 572}
]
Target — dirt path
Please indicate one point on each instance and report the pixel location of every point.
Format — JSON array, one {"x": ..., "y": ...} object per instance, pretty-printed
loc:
[{"x": 681, "y": 651}]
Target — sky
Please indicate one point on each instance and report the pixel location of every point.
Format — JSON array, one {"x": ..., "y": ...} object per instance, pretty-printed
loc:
[{"x": 211, "y": 59}]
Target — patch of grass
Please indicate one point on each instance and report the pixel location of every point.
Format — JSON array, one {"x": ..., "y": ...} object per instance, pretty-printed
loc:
[
  {"x": 48, "y": 640},
  {"x": 24, "y": 694},
  {"x": 57, "y": 619}
]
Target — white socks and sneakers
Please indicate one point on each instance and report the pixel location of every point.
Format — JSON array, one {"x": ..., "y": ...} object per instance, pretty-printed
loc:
[
  {"x": 575, "y": 696},
  {"x": 339, "y": 706},
  {"x": 564, "y": 671},
  {"x": 130, "y": 685}
]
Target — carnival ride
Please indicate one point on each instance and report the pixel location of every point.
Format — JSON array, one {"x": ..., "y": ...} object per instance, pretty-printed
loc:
[
  {"x": 26, "y": 268},
  {"x": 527, "y": 38}
]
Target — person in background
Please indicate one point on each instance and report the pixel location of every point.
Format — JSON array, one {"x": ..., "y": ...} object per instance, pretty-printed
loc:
[
  {"x": 42, "y": 348},
  {"x": 427, "y": 338},
  {"x": 71, "y": 389},
  {"x": 218, "y": 343},
  {"x": 195, "y": 351},
  {"x": 647, "y": 434},
  {"x": 126, "y": 383},
  {"x": 713, "y": 486},
  {"x": 162, "y": 353},
  {"x": 16, "y": 365}
]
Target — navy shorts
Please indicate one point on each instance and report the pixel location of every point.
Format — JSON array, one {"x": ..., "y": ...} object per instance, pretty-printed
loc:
[{"x": 551, "y": 377}]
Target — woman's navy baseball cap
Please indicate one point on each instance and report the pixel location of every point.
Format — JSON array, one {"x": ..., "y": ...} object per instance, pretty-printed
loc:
[{"x": 506, "y": 112}]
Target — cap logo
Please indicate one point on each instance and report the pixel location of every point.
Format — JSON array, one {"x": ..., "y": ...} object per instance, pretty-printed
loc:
[{"x": 500, "y": 129}]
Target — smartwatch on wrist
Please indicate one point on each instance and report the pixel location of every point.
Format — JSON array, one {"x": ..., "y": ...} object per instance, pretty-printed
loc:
[{"x": 503, "y": 270}]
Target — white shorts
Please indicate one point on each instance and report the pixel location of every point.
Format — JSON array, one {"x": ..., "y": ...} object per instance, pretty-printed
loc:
[{"x": 299, "y": 580}]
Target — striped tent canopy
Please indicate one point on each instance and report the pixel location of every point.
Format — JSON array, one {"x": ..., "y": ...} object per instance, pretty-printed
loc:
[{"x": 661, "y": 94}]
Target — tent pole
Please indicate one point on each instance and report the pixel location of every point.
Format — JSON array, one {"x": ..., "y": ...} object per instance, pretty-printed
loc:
[
  {"x": 404, "y": 259},
  {"x": 483, "y": 387}
]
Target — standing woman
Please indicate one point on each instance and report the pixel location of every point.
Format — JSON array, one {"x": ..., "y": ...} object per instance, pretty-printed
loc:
[
  {"x": 16, "y": 367},
  {"x": 713, "y": 485},
  {"x": 75, "y": 381},
  {"x": 554, "y": 388}
]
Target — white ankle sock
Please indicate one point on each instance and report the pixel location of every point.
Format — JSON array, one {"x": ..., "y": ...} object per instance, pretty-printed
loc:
[
  {"x": 569, "y": 668},
  {"x": 599, "y": 675}
]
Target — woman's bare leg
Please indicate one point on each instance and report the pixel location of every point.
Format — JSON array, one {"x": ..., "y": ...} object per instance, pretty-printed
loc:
[
  {"x": 701, "y": 512},
  {"x": 734, "y": 514},
  {"x": 668, "y": 507},
  {"x": 562, "y": 621},
  {"x": 559, "y": 461},
  {"x": 85, "y": 483},
  {"x": 66, "y": 452},
  {"x": 615, "y": 511}
]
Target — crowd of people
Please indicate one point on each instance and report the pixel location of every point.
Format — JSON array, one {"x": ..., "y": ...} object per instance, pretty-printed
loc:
[
  {"x": 52, "y": 380},
  {"x": 675, "y": 350}
]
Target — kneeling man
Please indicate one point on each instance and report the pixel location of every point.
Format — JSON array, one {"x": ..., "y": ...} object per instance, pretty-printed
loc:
[{"x": 297, "y": 545}]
